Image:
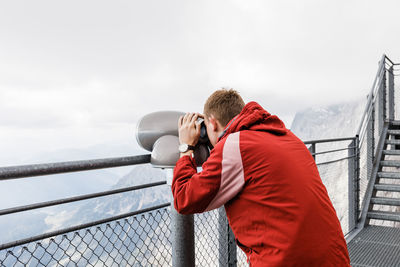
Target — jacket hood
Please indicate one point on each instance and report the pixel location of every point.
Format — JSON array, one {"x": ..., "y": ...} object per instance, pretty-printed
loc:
[{"x": 254, "y": 117}]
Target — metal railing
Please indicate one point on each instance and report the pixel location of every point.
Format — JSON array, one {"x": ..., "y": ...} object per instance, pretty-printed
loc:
[
  {"x": 336, "y": 160},
  {"x": 365, "y": 146},
  {"x": 142, "y": 237},
  {"x": 137, "y": 238},
  {"x": 88, "y": 243},
  {"x": 380, "y": 109}
]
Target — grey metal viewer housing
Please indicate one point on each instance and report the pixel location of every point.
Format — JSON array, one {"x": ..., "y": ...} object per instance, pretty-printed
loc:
[{"x": 157, "y": 132}]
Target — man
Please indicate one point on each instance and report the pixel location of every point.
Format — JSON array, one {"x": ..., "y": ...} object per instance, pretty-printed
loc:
[{"x": 276, "y": 204}]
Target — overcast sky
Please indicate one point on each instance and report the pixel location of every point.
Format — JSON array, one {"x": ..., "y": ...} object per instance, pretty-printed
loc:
[{"x": 75, "y": 74}]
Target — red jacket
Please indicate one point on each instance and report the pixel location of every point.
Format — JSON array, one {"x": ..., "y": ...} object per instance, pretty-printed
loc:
[{"x": 276, "y": 204}]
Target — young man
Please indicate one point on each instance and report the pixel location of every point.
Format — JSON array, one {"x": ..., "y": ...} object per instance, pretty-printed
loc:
[{"x": 276, "y": 204}]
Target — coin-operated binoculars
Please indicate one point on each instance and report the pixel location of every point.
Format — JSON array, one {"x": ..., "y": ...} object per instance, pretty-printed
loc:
[{"x": 158, "y": 133}]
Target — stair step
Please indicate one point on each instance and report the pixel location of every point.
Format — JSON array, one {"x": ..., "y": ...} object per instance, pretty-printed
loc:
[
  {"x": 386, "y": 201},
  {"x": 391, "y": 152},
  {"x": 384, "y": 215},
  {"x": 392, "y": 142},
  {"x": 387, "y": 187},
  {"x": 394, "y": 132},
  {"x": 390, "y": 163},
  {"x": 395, "y": 123},
  {"x": 389, "y": 175}
]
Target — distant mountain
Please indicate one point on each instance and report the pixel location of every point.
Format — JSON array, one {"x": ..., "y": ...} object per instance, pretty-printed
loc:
[{"x": 334, "y": 121}]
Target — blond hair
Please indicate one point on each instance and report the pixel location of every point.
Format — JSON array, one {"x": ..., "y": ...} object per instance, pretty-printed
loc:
[{"x": 224, "y": 104}]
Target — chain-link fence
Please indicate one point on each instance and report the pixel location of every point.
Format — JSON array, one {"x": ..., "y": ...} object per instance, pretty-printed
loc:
[
  {"x": 213, "y": 247},
  {"x": 140, "y": 240},
  {"x": 206, "y": 238}
]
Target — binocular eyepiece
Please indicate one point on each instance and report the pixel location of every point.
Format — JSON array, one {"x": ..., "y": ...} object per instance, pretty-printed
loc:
[{"x": 203, "y": 133}]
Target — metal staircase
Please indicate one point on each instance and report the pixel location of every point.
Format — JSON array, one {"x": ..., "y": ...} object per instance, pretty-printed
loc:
[
  {"x": 375, "y": 237},
  {"x": 385, "y": 201}
]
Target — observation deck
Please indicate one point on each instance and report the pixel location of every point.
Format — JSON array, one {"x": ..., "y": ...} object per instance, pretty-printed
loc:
[{"x": 361, "y": 173}]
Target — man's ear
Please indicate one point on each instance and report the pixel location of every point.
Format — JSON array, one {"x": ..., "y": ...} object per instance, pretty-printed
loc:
[{"x": 213, "y": 123}]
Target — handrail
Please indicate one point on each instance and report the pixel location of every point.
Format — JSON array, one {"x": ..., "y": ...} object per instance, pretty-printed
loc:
[
  {"x": 369, "y": 108},
  {"x": 390, "y": 60},
  {"x": 333, "y": 150},
  {"x": 77, "y": 198},
  {"x": 336, "y": 160},
  {"x": 15, "y": 172},
  {"x": 328, "y": 140},
  {"x": 371, "y": 94},
  {"x": 313, "y": 142}
]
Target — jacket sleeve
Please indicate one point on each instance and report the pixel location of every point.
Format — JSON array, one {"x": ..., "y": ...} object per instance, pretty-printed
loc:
[{"x": 220, "y": 180}]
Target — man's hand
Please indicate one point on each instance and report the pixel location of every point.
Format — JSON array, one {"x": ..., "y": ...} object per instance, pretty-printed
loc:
[{"x": 189, "y": 129}]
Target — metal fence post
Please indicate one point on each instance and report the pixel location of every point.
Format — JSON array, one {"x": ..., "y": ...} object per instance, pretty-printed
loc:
[
  {"x": 382, "y": 102},
  {"x": 312, "y": 150},
  {"x": 183, "y": 251},
  {"x": 357, "y": 177},
  {"x": 391, "y": 93},
  {"x": 370, "y": 142},
  {"x": 226, "y": 240},
  {"x": 352, "y": 187}
]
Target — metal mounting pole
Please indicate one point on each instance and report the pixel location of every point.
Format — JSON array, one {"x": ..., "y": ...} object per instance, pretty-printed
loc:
[{"x": 182, "y": 234}]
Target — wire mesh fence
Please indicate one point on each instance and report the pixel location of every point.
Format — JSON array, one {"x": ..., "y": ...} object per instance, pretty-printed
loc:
[
  {"x": 334, "y": 176},
  {"x": 241, "y": 258},
  {"x": 210, "y": 249},
  {"x": 365, "y": 169},
  {"x": 141, "y": 240},
  {"x": 396, "y": 83},
  {"x": 333, "y": 161},
  {"x": 206, "y": 238}
]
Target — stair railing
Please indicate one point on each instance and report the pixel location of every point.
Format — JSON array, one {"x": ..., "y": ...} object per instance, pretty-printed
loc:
[{"x": 379, "y": 109}]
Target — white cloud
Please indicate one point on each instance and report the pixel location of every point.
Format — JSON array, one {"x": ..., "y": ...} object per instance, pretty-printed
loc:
[{"x": 82, "y": 73}]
